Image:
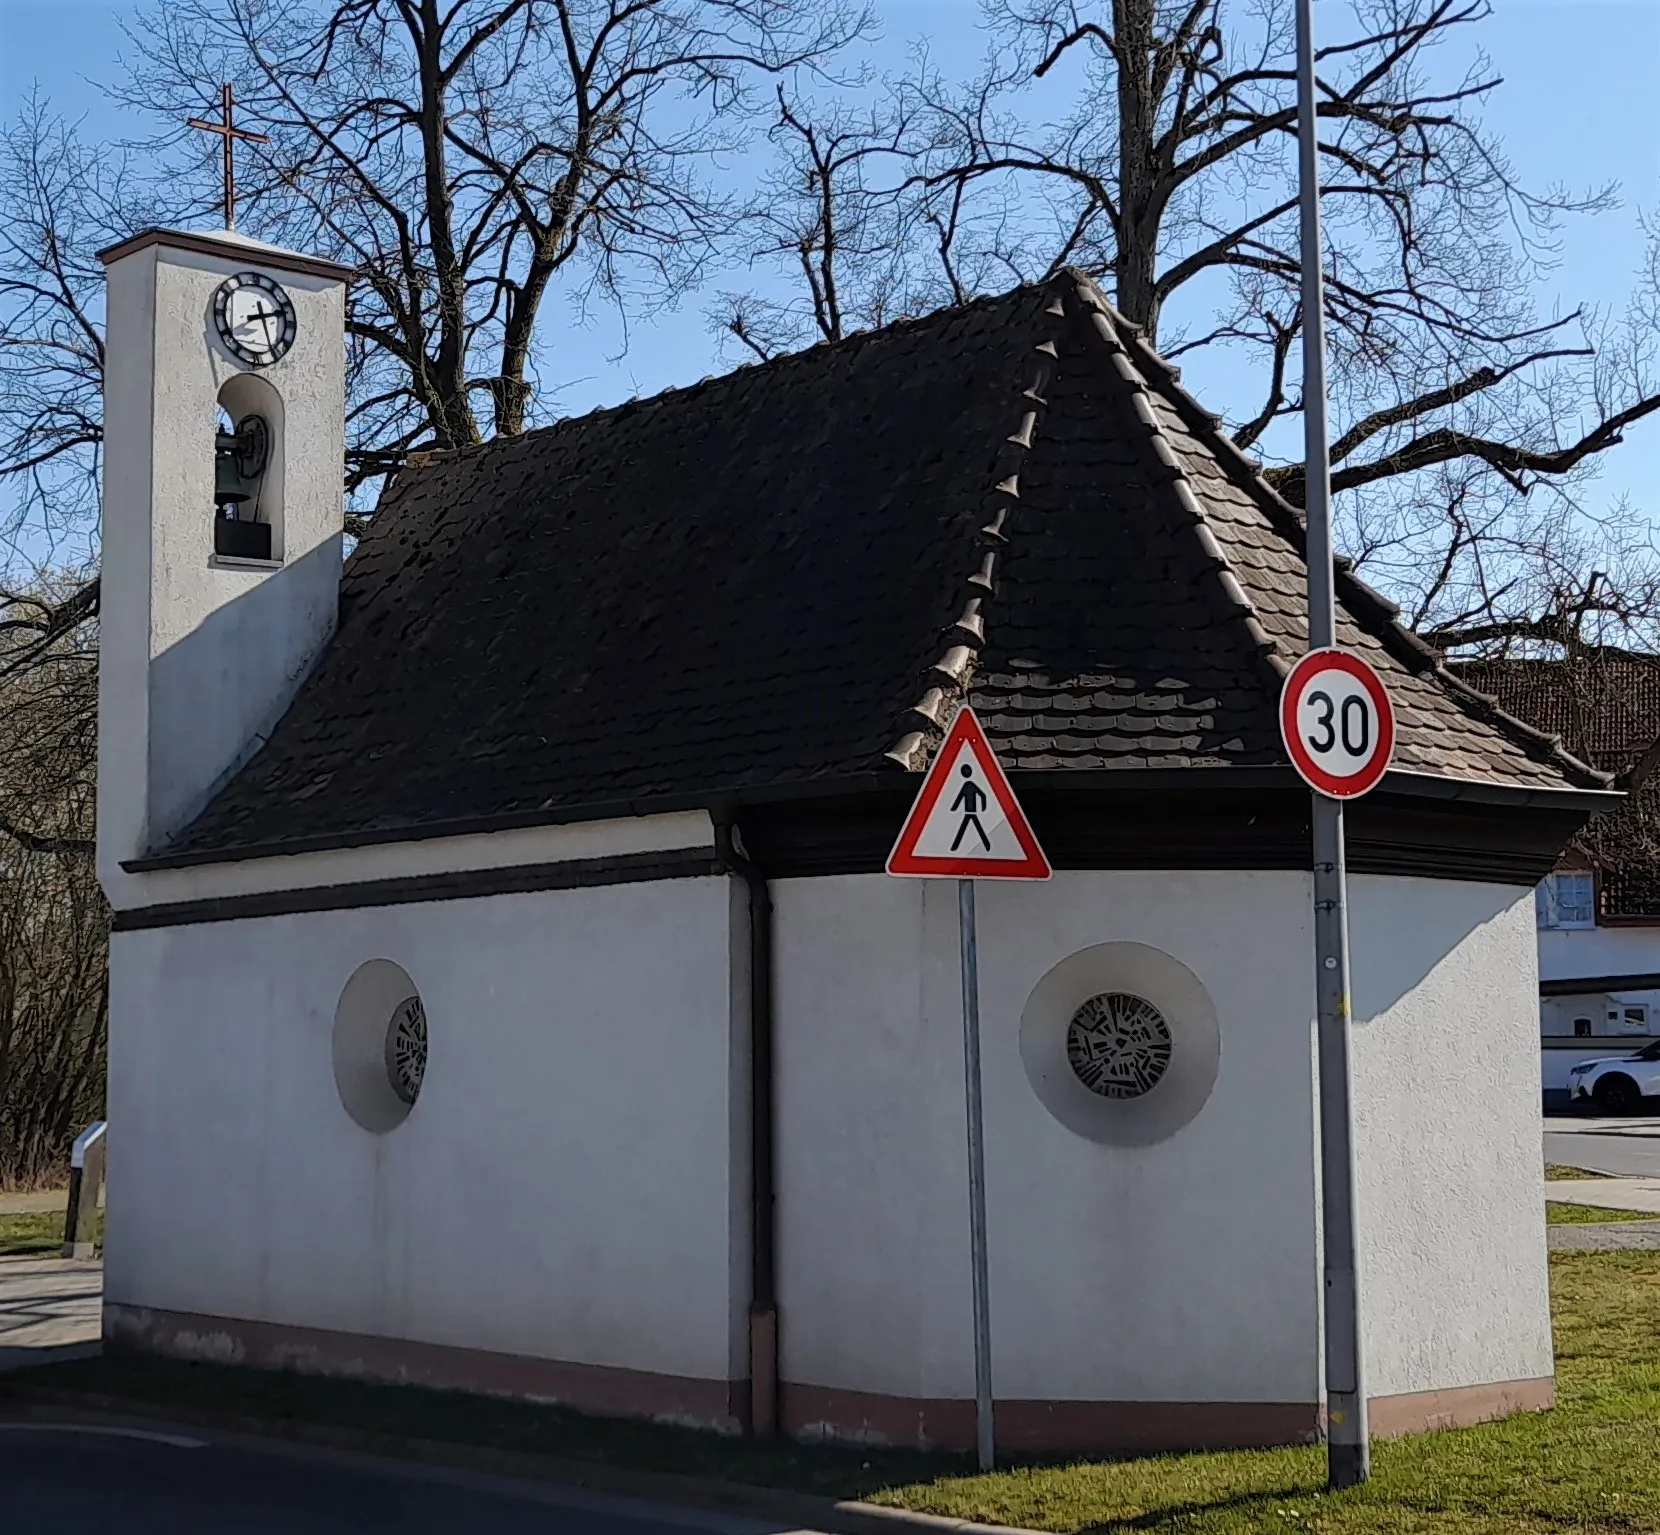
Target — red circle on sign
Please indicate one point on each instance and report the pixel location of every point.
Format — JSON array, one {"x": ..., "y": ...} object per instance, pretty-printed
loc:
[{"x": 1315, "y": 765}]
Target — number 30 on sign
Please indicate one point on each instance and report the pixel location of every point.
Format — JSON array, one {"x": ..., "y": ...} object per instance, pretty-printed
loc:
[{"x": 1337, "y": 722}]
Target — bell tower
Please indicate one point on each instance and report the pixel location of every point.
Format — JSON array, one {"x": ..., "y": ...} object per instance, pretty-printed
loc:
[{"x": 224, "y": 439}]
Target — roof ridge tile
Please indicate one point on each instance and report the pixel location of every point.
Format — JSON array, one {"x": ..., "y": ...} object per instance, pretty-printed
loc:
[{"x": 957, "y": 662}]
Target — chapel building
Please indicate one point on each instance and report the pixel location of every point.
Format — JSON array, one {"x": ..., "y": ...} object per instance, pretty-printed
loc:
[{"x": 507, "y": 993}]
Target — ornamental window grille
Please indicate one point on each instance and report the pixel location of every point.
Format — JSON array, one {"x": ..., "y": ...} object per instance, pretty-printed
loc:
[
  {"x": 1118, "y": 1045},
  {"x": 406, "y": 1049}
]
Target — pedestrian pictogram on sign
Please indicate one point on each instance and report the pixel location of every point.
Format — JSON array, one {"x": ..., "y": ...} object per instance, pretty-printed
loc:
[
  {"x": 1337, "y": 723},
  {"x": 966, "y": 822}
]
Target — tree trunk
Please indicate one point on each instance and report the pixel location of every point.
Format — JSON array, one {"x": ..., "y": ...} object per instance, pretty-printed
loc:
[{"x": 1141, "y": 196}]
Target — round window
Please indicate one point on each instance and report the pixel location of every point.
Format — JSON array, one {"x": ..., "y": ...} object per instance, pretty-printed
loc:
[
  {"x": 1121, "y": 1044},
  {"x": 1118, "y": 1045},
  {"x": 380, "y": 1045}
]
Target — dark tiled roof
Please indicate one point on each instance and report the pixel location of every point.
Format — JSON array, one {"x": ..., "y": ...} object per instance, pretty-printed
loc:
[
  {"x": 792, "y": 574},
  {"x": 1603, "y": 702}
]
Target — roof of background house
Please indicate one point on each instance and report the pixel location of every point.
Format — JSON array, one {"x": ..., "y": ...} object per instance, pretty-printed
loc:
[
  {"x": 790, "y": 575},
  {"x": 1603, "y": 702}
]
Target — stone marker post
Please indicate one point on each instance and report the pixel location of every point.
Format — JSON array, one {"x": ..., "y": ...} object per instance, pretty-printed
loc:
[{"x": 86, "y": 1178}]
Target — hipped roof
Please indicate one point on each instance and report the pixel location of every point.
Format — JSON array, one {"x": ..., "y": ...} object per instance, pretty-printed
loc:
[{"x": 789, "y": 577}]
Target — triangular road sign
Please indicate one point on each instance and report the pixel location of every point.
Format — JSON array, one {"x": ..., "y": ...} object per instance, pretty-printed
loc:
[{"x": 966, "y": 822}]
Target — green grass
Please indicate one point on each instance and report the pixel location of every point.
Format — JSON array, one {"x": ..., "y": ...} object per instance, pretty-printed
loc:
[
  {"x": 1589, "y": 1467},
  {"x": 1559, "y": 1214},
  {"x": 36, "y": 1235},
  {"x": 1558, "y": 1172}
]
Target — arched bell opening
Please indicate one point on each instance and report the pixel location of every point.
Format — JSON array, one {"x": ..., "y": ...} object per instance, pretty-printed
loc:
[{"x": 247, "y": 470}]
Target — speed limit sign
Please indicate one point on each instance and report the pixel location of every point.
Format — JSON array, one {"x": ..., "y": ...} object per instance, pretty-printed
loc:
[{"x": 1337, "y": 723}]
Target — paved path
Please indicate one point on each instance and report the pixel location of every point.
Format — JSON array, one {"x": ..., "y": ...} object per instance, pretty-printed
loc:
[
  {"x": 157, "y": 1481},
  {"x": 1610, "y": 1193},
  {"x": 50, "y": 1308},
  {"x": 36, "y": 1203},
  {"x": 1629, "y": 1147},
  {"x": 1605, "y": 1238}
]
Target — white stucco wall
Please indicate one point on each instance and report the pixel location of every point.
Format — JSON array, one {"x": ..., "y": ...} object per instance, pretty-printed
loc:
[
  {"x": 1182, "y": 1271},
  {"x": 1447, "y": 1091},
  {"x": 1185, "y": 1270},
  {"x": 571, "y": 1182}
]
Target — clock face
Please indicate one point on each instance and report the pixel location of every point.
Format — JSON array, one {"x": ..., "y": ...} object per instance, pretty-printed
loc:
[{"x": 254, "y": 318}]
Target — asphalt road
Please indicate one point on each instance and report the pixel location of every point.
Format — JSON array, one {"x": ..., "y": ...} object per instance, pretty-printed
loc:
[
  {"x": 141, "y": 1482},
  {"x": 1627, "y": 1146}
]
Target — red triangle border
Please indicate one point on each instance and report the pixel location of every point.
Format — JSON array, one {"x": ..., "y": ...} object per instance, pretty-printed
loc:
[{"x": 904, "y": 861}]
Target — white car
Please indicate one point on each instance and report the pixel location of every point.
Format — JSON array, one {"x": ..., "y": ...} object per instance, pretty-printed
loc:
[{"x": 1617, "y": 1084}]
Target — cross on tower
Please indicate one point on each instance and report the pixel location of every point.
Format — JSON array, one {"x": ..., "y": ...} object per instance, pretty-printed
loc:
[{"x": 230, "y": 133}]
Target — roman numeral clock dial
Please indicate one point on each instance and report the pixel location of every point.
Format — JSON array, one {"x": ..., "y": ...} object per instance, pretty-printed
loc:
[{"x": 254, "y": 318}]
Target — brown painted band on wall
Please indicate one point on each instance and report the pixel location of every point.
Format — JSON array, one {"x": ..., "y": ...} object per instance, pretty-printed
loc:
[
  {"x": 603, "y": 1389},
  {"x": 462, "y": 885},
  {"x": 1415, "y": 1412},
  {"x": 807, "y": 1411},
  {"x": 1032, "y": 1426},
  {"x": 1045, "y": 1427}
]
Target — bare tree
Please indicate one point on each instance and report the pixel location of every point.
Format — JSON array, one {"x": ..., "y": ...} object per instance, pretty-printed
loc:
[
  {"x": 861, "y": 240},
  {"x": 54, "y": 1008},
  {"x": 822, "y": 208},
  {"x": 63, "y": 202},
  {"x": 53, "y": 919},
  {"x": 468, "y": 156},
  {"x": 1468, "y": 426}
]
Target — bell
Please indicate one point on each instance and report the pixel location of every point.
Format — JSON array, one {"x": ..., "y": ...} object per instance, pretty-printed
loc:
[
  {"x": 229, "y": 488},
  {"x": 239, "y": 461}
]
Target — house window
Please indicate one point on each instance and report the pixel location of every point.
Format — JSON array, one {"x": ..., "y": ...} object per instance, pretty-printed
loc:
[
  {"x": 1566, "y": 900},
  {"x": 1582, "y": 1028}
]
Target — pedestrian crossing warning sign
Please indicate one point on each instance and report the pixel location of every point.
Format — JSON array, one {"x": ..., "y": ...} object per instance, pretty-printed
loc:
[{"x": 966, "y": 822}]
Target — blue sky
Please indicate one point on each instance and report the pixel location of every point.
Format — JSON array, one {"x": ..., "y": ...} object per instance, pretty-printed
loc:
[{"x": 1578, "y": 106}]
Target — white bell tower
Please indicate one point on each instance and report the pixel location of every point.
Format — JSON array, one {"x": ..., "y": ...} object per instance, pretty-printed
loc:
[{"x": 224, "y": 440}]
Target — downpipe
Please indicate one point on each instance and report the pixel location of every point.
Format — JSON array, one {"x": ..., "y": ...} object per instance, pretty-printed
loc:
[{"x": 763, "y": 1237}]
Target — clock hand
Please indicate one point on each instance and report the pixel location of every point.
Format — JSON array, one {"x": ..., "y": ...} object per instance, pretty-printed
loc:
[{"x": 265, "y": 316}]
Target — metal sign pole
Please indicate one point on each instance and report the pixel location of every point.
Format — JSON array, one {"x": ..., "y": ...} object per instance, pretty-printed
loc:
[
  {"x": 984, "y": 1438},
  {"x": 1348, "y": 1449}
]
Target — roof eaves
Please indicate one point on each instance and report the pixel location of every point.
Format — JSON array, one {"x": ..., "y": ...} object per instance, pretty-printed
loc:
[
  {"x": 1375, "y": 613},
  {"x": 950, "y": 675}
]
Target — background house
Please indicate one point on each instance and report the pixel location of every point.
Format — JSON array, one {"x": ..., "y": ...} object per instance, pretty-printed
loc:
[{"x": 1599, "y": 912}]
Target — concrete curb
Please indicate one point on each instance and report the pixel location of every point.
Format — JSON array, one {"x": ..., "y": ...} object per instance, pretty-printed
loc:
[{"x": 790, "y": 1510}]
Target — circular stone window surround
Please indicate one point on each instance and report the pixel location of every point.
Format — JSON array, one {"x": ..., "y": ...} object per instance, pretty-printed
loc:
[
  {"x": 1134, "y": 970},
  {"x": 379, "y": 1045}
]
